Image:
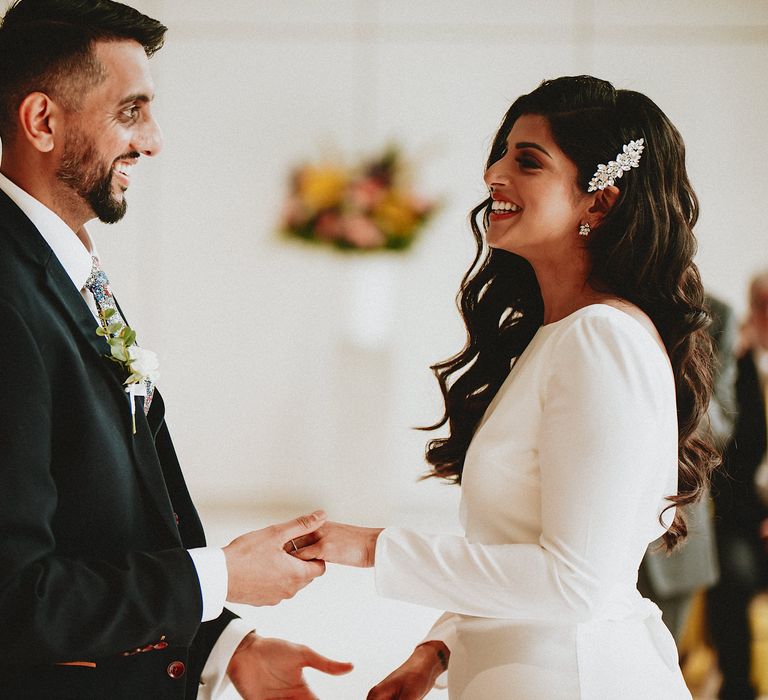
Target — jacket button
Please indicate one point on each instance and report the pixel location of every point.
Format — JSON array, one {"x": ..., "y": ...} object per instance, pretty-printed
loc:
[{"x": 176, "y": 669}]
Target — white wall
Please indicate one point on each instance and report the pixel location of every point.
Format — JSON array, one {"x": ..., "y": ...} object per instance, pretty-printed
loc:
[{"x": 274, "y": 396}]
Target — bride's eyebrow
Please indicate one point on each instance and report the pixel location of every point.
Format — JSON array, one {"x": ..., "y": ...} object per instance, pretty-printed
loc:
[{"x": 531, "y": 144}]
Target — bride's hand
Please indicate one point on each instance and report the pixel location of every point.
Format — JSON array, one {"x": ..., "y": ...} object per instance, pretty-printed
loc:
[
  {"x": 416, "y": 677},
  {"x": 338, "y": 543}
]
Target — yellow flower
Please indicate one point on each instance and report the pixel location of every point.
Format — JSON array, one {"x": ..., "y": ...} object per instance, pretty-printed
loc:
[
  {"x": 322, "y": 187},
  {"x": 396, "y": 215}
]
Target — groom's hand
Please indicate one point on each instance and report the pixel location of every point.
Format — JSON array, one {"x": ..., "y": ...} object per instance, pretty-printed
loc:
[
  {"x": 272, "y": 669},
  {"x": 261, "y": 572}
]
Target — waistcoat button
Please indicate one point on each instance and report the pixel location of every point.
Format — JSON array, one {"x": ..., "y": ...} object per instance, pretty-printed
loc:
[{"x": 176, "y": 669}]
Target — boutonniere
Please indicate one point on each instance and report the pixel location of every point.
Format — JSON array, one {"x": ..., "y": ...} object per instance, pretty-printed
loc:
[{"x": 142, "y": 365}]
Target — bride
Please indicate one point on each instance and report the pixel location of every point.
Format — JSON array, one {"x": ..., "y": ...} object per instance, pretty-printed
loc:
[{"x": 571, "y": 414}]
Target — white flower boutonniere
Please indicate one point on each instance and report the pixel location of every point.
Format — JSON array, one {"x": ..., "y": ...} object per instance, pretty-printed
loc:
[{"x": 142, "y": 365}]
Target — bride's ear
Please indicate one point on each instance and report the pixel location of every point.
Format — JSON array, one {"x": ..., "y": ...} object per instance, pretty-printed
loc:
[{"x": 602, "y": 203}]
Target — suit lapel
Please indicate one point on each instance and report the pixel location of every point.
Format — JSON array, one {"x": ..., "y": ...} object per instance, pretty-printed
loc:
[
  {"x": 71, "y": 303},
  {"x": 37, "y": 252},
  {"x": 74, "y": 305},
  {"x": 141, "y": 444},
  {"x": 148, "y": 462}
]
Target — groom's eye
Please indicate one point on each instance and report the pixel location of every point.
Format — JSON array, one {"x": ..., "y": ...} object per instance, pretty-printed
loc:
[{"x": 130, "y": 113}]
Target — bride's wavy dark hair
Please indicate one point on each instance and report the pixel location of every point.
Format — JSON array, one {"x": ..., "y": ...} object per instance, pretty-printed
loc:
[{"x": 642, "y": 251}]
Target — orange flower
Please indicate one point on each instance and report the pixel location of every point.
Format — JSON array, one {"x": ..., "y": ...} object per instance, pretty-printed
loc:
[
  {"x": 396, "y": 215},
  {"x": 322, "y": 187}
]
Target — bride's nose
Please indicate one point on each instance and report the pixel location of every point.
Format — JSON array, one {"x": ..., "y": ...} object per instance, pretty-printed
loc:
[{"x": 496, "y": 175}]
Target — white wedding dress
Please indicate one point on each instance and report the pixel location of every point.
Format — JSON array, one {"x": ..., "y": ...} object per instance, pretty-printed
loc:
[{"x": 563, "y": 485}]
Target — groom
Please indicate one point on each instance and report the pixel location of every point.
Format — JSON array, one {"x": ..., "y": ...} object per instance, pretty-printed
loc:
[{"x": 107, "y": 589}]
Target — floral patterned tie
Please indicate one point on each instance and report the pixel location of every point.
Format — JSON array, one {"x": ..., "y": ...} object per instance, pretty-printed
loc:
[{"x": 98, "y": 285}]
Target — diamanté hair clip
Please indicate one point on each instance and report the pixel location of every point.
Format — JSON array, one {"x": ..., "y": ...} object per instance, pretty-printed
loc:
[{"x": 606, "y": 175}]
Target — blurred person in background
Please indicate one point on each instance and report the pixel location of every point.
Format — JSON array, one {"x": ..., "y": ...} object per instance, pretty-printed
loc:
[
  {"x": 671, "y": 580},
  {"x": 741, "y": 512}
]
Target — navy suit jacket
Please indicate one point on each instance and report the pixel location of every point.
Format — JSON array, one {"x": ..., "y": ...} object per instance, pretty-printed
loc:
[{"x": 94, "y": 520}]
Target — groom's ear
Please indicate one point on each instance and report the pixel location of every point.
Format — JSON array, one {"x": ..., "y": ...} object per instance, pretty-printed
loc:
[{"x": 38, "y": 118}]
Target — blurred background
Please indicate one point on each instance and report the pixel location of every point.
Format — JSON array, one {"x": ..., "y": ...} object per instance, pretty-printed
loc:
[{"x": 294, "y": 374}]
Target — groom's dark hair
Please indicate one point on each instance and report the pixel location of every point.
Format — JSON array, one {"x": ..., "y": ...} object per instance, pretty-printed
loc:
[{"x": 47, "y": 46}]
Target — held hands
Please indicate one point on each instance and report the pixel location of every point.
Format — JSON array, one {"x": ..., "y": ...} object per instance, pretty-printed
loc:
[
  {"x": 269, "y": 565},
  {"x": 416, "y": 677},
  {"x": 270, "y": 669},
  {"x": 338, "y": 543},
  {"x": 260, "y": 570}
]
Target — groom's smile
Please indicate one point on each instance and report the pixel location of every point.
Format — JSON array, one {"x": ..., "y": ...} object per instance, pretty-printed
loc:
[{"x": 122, "y": 173}]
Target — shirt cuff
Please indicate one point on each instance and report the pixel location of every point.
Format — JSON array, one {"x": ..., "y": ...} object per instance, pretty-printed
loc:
[
  {"x": 211, "y": 567},
  {"x": 214, "y": 679}
]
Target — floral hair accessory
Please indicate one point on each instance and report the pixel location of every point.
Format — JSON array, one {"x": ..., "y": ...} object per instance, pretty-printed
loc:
[{"x": 606, "y": 175}]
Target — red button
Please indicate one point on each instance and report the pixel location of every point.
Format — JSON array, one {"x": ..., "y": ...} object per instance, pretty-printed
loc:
[{"x": 176, "y": 669}]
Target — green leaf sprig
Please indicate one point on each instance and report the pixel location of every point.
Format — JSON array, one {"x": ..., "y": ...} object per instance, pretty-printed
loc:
[{"x": 120, "y": 337}]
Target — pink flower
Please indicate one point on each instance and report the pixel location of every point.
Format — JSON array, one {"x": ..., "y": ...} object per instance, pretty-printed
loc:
[
  {"x": 293, "y": 214},
  {"x": 328, "y": 226},
  {"x": 367, "y": 193},
  {"x": 421, "y": 206},
  {"x": 362, "y": 232}
]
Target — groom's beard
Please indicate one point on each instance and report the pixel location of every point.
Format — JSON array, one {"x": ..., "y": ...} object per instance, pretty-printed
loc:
[{"x": 91, "y": 180}]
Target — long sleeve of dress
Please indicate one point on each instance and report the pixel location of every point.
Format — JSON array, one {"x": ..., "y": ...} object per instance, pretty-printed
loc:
[{"x": 606, "y": 446}]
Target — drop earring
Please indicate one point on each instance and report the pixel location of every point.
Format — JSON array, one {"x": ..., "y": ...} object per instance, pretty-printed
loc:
[{"x": 584, "y": 230}]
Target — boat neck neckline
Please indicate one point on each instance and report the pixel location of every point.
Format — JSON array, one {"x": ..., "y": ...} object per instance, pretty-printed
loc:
[
  {"x": 613, "y": 311},
  {"x": 584, "y": 309}
]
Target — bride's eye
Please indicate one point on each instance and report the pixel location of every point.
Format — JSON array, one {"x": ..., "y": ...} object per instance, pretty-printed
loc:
[{"x": 528, "y": 163}]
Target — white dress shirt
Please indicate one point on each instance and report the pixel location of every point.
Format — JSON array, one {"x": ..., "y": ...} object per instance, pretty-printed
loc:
[{"x": 75, "y": 255}]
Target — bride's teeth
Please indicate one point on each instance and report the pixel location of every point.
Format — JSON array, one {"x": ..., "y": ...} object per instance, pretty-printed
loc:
[{"x": 499, "y": 206}]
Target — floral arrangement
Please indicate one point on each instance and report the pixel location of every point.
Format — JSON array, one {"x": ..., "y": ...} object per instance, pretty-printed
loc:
[{"x": 369, "y": 207}]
